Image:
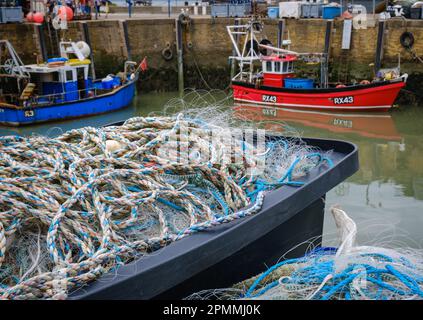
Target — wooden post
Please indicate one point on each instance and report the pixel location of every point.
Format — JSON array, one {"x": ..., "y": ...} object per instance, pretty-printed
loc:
[
  {"x": 179, "y": 50},
  {"x": 379, "y": 47},
  {"x": 281, "y": 30},
  {"x": 328, "y": 37},
  {"x": 41, "y": 44},
  {"x": 123, "y": 27},
  {"x": 325, "y": 62},
  {"x": 86, "y": 38}
]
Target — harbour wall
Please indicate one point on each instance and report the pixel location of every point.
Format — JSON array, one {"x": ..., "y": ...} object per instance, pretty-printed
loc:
[{"x": 206, "y": 47}]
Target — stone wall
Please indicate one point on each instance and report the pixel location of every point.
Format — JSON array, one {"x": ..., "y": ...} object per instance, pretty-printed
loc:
[{"x": 207, "y": 47}]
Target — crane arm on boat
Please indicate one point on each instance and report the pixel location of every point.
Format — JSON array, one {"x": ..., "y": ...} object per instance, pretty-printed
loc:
[{"x": 284, "y": 51}]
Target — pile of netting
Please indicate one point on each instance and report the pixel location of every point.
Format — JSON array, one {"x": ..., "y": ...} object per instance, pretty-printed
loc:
[
  {"x": 348, "y": 272},
  {"x": 78, "y": 205}
]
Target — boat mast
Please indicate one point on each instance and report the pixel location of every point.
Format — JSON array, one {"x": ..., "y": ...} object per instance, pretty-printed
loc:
[{"x": 249, "y": 52}]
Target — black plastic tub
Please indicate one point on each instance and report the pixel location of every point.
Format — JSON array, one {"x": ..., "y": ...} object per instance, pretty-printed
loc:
[{"x": 235, "y": 251}]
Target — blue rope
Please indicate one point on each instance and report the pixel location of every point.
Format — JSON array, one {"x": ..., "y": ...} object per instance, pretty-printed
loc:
[{"x": 317, "y": 270}]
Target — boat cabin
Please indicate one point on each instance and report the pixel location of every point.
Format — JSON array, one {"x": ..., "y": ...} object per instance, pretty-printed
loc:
[
  {"x": 60, "y": 80},
  {"x": 276, "y": 68}
]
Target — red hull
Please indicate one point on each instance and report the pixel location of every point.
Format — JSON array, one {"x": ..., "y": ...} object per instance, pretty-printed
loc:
[{"x": 371, "y": 97}]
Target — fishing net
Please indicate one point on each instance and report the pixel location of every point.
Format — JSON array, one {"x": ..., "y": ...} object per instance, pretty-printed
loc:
[
  {"x": 348, "y": 272},
  {"x": 89, "y": 200}
]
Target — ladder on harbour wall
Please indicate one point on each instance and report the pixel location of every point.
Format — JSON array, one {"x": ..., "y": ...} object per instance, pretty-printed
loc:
[
  {"x": 344, "y": 59},
  {"x": 53, "y": 39},
  {"x": 344, "y": 66}
]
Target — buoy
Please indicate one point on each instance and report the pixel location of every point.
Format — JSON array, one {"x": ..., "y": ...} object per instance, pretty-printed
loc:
[
  {"x": 341, "y": 85},
  {"x": 364, "y": 82},
  {"x": 65, "y": 12},
  {"x": 347, "y": 15},
  {"x": 113, "y": 145},
  {"x": 30, "y": 17},
  {"x": 388, "y": 76},
  {"x": 84, "y": 48},
  {"x": 38, "y": 17}
]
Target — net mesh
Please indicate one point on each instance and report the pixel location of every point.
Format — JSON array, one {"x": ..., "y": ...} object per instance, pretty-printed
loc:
[
  {"x": 91, "y": 199},
  {"x": 349, "y": 272}
]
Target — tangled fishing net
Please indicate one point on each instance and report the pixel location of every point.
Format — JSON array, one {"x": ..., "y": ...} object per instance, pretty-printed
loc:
[
  {"x": 78, "y": 205},
  {"x": 348, "y": 272}
]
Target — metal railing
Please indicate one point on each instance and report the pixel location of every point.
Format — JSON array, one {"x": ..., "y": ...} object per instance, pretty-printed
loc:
[{"x": 82, "y": 94}]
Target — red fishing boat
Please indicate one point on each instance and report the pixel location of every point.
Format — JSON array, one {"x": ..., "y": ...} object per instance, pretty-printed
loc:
[{"x": 267, "y": 77}]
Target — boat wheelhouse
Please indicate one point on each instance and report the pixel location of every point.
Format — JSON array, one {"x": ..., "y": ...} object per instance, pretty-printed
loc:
[
  {"x": 276, "y": 69},
  {"x": 59, "y": 88},
  {"x": 277, "y": 84}
]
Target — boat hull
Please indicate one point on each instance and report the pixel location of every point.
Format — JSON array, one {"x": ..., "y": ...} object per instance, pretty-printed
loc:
[
  {"x": 117, "y": 99},
  {"x": 372, "y": 97}
]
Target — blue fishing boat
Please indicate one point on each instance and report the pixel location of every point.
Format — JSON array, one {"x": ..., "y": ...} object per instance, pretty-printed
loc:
[{"x": 60, "y": 88}]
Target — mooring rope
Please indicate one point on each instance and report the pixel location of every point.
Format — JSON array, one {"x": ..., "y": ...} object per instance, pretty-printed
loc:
[{"x": 98, "y": 197}]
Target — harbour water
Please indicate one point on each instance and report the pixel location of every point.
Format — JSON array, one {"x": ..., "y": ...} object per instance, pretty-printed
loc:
[{"x": 385, "y": 197}]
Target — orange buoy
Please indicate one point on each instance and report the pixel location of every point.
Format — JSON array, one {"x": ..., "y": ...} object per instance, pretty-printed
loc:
[
  {"x": 65, "y": 12},
  {"x": 38, "y": 17},
  {"x": 347, "y": 15},
  {"x": 30, "y": 17}
]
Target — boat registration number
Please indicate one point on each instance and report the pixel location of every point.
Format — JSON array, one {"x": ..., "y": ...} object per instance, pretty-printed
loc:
[
  {"x": 342, "y": 123},
  {"x": 269, "y": 112},
  {"x": 343, "y": 100},
  {"x": 267, "y": 98}
]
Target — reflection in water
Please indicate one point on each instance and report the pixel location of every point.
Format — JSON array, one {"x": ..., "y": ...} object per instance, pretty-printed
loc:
[
  {"x": 385, "y": 197},
  {"x": 379, "y": 126}
]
